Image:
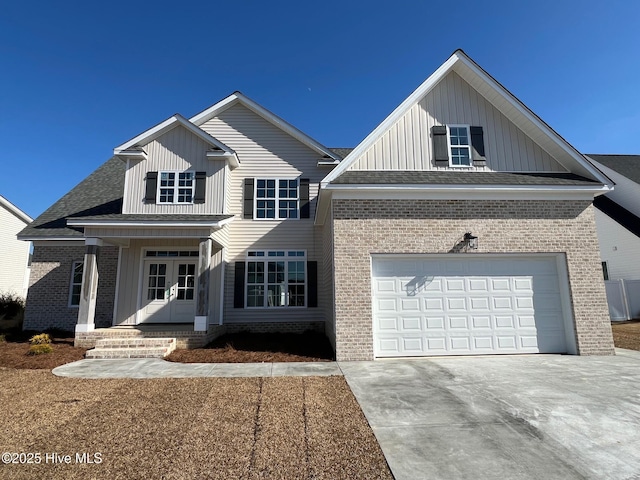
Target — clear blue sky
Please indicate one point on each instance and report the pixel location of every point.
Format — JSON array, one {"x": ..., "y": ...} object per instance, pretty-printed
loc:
[{"x": 79, "y": 78}]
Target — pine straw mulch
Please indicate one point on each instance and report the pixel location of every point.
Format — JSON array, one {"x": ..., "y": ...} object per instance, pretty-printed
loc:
[
  {"x": 246, "y": 347},
  {"x": 281, "y": 427},
  {"x": 14, "y": 352},
  {"x": 626, "y": 334}
]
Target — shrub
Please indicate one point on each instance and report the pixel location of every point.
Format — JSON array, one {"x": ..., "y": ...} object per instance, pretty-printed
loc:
[
  {"x": 11, "y": 306},
  {"x": 40, "y": 348},
  {"x": 3, "y": 339},
  {"x": 42, "y": 339}
]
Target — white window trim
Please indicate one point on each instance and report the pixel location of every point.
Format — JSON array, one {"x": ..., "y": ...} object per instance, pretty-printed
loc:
[
  {"x": 276, "y": 198},
  {"x": 176, "y": 187},
  {"x": 71, "y": 283},
  {"x": 468, "y": 128},
  {"x": 265, "y": 259}
]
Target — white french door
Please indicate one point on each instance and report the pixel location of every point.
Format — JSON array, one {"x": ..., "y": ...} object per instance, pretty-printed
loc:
[{"x": 168, "y": 291}]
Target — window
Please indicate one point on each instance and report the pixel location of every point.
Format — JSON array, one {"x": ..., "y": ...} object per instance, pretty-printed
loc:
[
  {"x": 176, "y": 187},
  {"x": 276, "y": 279},
  {"x": 459, "y": 145},
  {"x": 276, "y": 199},
  {"x": 76, "y": 284}
]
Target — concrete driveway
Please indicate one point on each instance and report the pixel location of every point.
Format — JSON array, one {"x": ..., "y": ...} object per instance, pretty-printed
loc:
[{"x": 504, "y": 417}]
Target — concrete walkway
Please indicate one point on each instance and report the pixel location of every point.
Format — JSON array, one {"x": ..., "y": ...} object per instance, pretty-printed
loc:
[
  {"x": 158, "y": 368},
  {"x": 504, "y": 417}
]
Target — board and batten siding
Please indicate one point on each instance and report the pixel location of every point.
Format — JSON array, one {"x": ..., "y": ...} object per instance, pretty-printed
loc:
[
  {"x": 407, "y": 144},
  {"x": 265, "y": 151},
  {"x": 177, "y": 150},
  {"x": 14, "y": 255},
  {"x": 618, "y": 247}
]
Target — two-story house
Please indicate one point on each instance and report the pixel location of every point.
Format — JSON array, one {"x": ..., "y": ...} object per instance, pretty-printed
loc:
[{"x": 462, "y": 224}]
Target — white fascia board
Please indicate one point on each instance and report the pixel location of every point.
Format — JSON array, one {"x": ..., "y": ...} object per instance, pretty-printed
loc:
[
  {"x": 529, "y": 116},
  {"x": 163, "y": 127},
  {"x": 272, "y": 118},
  {"x": 15, "y": 210},
  {"x": 393, "y": 117}
]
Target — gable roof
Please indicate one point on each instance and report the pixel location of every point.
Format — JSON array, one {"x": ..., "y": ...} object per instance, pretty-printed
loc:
[
  {"x": 626, "y": 165},
  {"x": 98, "y": 194},
  {"x": 238, "y": 97},
  {"x": 15, "y": 210},
  {"x": 169, "y": 124},
  {"x": 618, "y": 213},
  {"x": 498, "y": 96}
]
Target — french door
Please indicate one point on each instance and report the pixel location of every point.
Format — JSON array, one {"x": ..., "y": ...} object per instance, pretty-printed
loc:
[{"x": 168, "y": 291}]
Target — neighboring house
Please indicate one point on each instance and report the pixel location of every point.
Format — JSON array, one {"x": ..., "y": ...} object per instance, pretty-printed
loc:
[
  {"x": 14, "y": 254},
  {"x": 461, "y": 225},
  {"x": 618, "y": 225}
]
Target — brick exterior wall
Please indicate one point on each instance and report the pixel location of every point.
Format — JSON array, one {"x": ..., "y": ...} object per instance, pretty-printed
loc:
[
  {"x": 48, "y": 297},
  {"x": 365, "y": 227},
  {"x": 275, "y": 327}
]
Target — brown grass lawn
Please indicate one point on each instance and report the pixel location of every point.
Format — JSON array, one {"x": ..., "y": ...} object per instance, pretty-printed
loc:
[
  {"x": 627, "y": 334},
  {"x": 227, "y": 428}
]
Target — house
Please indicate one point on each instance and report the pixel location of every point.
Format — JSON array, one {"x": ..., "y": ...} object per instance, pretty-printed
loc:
[
  {"x": 462, "y": 224},
  {"x": 618, "y": 227},
  {"x": 14, "y": 254}
]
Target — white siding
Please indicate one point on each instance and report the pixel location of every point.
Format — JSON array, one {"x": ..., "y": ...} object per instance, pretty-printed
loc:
[
  {"x": 14, "y": 255},
  {"x": 124, "y": 232},
  {"x": 618, "y": 247},
  {"x": 180, "y": 150},
  {"x": 407, "y": 145},
  {"x": 265, "y": 151}
]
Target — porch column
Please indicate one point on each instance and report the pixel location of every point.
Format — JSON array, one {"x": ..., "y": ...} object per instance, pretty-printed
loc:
[
  {"x": 89, "y": 289},
  {"x": 202, "y": 295}
]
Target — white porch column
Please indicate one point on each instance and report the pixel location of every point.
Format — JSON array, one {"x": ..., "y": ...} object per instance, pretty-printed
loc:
[
  {"x": 202, "y": 295},
  {"x": 89, "y": 289}
]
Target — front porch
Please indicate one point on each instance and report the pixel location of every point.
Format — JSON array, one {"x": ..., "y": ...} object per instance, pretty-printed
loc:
[{"x": 184, "y": 334}]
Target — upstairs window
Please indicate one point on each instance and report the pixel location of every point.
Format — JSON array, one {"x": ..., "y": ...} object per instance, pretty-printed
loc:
[
  {"x": 276, "y": 199},
  {"x": 459, "y": 145},
  {"x": 176, "y": 187}
]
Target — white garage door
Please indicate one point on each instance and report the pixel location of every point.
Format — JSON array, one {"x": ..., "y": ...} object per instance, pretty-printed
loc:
[{"x": 466, "y": 306}]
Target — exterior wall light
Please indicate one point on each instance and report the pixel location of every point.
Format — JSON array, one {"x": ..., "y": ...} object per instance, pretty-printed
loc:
[{"x": 471, "y": 241}]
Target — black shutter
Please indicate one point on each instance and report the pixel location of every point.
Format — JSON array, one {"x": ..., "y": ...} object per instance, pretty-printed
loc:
[
  {"x": 201, "y": 183},
  {"x": 248, "y": 198},
  {"x": 238, "y": 286},
  {"x": 305, "y": 208},
  {"x": 152, "y": 187},
  {"x": 440, "y": 148},
  {"x": 312, "y": 280},
  {"x": 477, "y": 142}
]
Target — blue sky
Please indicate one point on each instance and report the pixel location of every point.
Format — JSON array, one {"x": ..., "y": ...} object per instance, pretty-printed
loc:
[{"x": 79, "y": 78}]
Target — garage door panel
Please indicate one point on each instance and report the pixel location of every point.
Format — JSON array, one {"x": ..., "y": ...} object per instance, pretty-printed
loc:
[{"x": 464, "y": 306}]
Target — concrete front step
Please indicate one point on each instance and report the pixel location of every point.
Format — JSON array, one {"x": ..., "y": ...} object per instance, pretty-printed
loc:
[{"x": 132, "y": 348}]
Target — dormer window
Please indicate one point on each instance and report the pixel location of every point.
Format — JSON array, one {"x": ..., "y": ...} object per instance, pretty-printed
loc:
[
  {"x": 176, "y": 187},
  {"x": 458, "y": 146}
]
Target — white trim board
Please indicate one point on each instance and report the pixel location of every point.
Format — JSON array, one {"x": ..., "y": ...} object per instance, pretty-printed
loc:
[
  {"x": 498, "y": 96},
  {"x": 15, "y": 210}
]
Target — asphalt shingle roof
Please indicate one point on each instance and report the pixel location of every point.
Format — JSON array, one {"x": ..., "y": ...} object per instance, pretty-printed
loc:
[
  {"x": 341, "y": 152},
  {"x": 377, "y": 177},
  {"x": 98, "y": 194},
  {"x": 121, "y": 217},
  {"x": 627, "y": 165}
]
